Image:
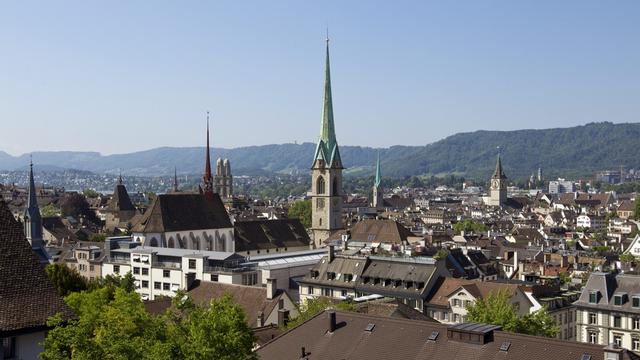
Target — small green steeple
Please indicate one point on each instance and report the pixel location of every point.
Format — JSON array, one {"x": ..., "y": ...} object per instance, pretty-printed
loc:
[
  {"x": 327, "y": 148},
  {"x": 378, "y": 174}
]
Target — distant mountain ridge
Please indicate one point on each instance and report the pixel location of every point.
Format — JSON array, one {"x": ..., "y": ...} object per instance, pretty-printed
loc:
[{"x": 569, "y": 151}]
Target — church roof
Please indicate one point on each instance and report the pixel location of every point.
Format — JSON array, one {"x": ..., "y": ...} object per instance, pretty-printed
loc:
[
  {"x": 183, "y": 211},
  {"x": 270, "y": 234},
  {"x": 27, "y": 295},
  {"x": 327, "y": 148}
]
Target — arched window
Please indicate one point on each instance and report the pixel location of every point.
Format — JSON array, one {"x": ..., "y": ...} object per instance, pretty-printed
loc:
[
  {"x": 320, "y": 221},
  {"x": 335, "y": 187},
  {"x": 153, "y": 242},
  {"x": 320, "y": 185},
  {"x": 195, "y": 244},
  {"x": 172, "y": 243}
]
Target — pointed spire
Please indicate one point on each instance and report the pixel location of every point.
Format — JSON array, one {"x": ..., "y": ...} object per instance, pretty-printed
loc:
[
  {"x": 498, "y": 173},
  {"x": 33, "y": 196},
  {"x": 378, "y": 173},
  {"x": 327, "y": 142},
  {"x": 207, "y": 178},
  {"x": 175, "y": 179},
  {"x": 120, "y": 178},
  {"x": 32, "y": 218}
]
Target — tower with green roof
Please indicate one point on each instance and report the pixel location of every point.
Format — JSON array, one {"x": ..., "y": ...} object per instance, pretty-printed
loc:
[{"x": 326, "y": 172}]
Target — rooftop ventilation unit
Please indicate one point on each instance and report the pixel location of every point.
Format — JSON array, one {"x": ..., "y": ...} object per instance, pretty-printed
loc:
[
  {"x": 505, "y": 346},
  {"x": 433, "y": 336},
  {"x": 586, "y": 357},
  {"x": 369, "y": 327}
]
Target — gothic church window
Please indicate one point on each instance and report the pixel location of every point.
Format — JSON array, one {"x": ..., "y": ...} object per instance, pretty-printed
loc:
[{"x": 320, "y": 185}]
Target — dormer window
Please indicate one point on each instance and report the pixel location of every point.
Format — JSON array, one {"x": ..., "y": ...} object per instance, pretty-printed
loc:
[
  {"x": 619, "y": 299},
  {"x": 593, "y": 297}
]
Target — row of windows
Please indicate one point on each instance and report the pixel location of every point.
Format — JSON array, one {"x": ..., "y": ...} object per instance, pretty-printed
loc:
[
  {"x": 592, "y": 338},
  {"x": 138, "y": 271},
  {"x": 616, "y": 321},
  {"x": 328, "y": 292},
  {"x": 461, "y": 303},
  {"x": 83, "y": 267},
  {"x": 157, "y": 285}
]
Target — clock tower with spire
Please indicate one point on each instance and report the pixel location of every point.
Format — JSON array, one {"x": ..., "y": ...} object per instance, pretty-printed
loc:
[
  {"x": 498, "y": 189},
  {"x": 326, "y": 172}
]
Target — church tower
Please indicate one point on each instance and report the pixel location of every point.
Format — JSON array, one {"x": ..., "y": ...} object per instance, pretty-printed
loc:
[
  {"x": 33, "y": 222},
  {"x": 377, "y": 187},
  {"x": 32, "y": 219},
  {"x": 207, "y": 178},
  {"x": 326, "y": 172},
  {"x": 498, "y": 191}
]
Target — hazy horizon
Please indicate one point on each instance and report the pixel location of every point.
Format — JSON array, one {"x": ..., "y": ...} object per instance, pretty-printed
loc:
[{"x": 125, "y": 77}]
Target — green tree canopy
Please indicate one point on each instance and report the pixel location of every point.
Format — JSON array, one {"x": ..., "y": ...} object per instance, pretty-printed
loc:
[
  {"x": 469, "y": 226},
  {"x": 90, "y": 193},
  {"x": 497, "y": 310},
  {"x": 301, "y": 210},
  {"x": 49, "y": 210},
  {"x": 112, "y": 323},
  {"x": 65, "y": 279}
]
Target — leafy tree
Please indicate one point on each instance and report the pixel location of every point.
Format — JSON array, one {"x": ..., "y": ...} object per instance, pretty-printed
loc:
[
  {"x": 65, "y": 279},
  {"x": 636, "y": 212},
  {"x": 301, "y": 210},
  {"x": 98, "y": 237},
  {"x": 469, "y": 226},
  {"x": 49, "y": 210},
  {"x": 627, "y": 258},
  {"x": 496, "y": 309},
  {"x": 441, "y": 254},
  {"x": 112, "y": 323},
  {"x": 90, "y": 193},
  {"x": 74, "y": 204}
]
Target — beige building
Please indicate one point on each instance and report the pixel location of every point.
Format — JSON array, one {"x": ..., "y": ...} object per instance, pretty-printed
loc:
[{"x": 86, "y": 257}]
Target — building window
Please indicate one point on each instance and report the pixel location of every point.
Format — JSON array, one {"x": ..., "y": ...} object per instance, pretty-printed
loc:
[
  {"x": 326, "y": 292},
  {"x": 116, "y": 269},
  {"x": 192, "y": 263},
  {"x": 344, "y": 293},
  {"x": 617, "y": 321},
  {"x": 145, "y": 271},
  {"x": 635, "y": 344},
  {"x": 166, "y": 273},
  {"x": 145, "y": 284},
  {"x": 90, "y": 267},
  {"x": 636, "y": 323},
  {"x": 635, "y": 302},
  {"x": 320, "y": 186},
  {"x": 157, "y": 285},
  {"x": 617, "y": 339},
  {"x": 250, "y": 279},
  {"x": 9, "y": 347},
  {"x": 593, "y": 318},
  {"x": 166, "y": 286},
  {"x": 593, "y": 337},
  {"x": 617, "y": 300},
  {"x": 214, "y": 277},
  {"x": 456, "y": 318},
  {"x": 136, "y": 271},
  {"x": 593, "y": 297}
]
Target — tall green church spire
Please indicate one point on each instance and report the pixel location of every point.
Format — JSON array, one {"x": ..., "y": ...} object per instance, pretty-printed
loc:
[
  {"x": 327, "y": 149},
  {"x": 378, "y": 174}
]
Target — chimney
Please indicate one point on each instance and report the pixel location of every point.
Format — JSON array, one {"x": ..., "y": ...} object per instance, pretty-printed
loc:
[
  {"x": 260, "y": 319},
  {"x": 331, "y": 315},
  {"x": 283, "y": 317},
  {"x": 332, "y": 253},
  {"x": 272, "y": 288}
]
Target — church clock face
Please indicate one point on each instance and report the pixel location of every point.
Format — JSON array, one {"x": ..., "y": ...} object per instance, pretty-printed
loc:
[{"x": 495, "y": 184}]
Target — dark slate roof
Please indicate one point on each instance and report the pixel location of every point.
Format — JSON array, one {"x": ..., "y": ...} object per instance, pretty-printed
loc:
[
  {"x": 120, "y": 200},
  {"x": 408, "y": 339},
  {"x": 183, "y": 211},
  {"x": 607, "y": 285},
  {"x": 27, "y": 297},
  {"x": 408, "y": 271},
  {"x": 340, "y": 265},
  {"x": 270, "y": 234}
]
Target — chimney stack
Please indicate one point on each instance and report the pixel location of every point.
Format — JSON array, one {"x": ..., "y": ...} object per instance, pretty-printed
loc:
[
  {"x": 332, "y": 253},
  {"x": 331, "y": 315},
  {"x": 272, "y": 288},
  {"x": 260, "y": 322}
]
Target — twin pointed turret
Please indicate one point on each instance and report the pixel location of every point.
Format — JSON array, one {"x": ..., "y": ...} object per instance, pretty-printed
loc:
[{"x": 327, "y": 150}]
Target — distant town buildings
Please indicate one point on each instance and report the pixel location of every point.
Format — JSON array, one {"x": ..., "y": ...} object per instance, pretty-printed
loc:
[{"x": 561, "y": 186}]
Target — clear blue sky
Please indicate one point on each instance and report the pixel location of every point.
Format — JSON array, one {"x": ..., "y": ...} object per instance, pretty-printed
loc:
[{"x": 120, "y": 76}]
